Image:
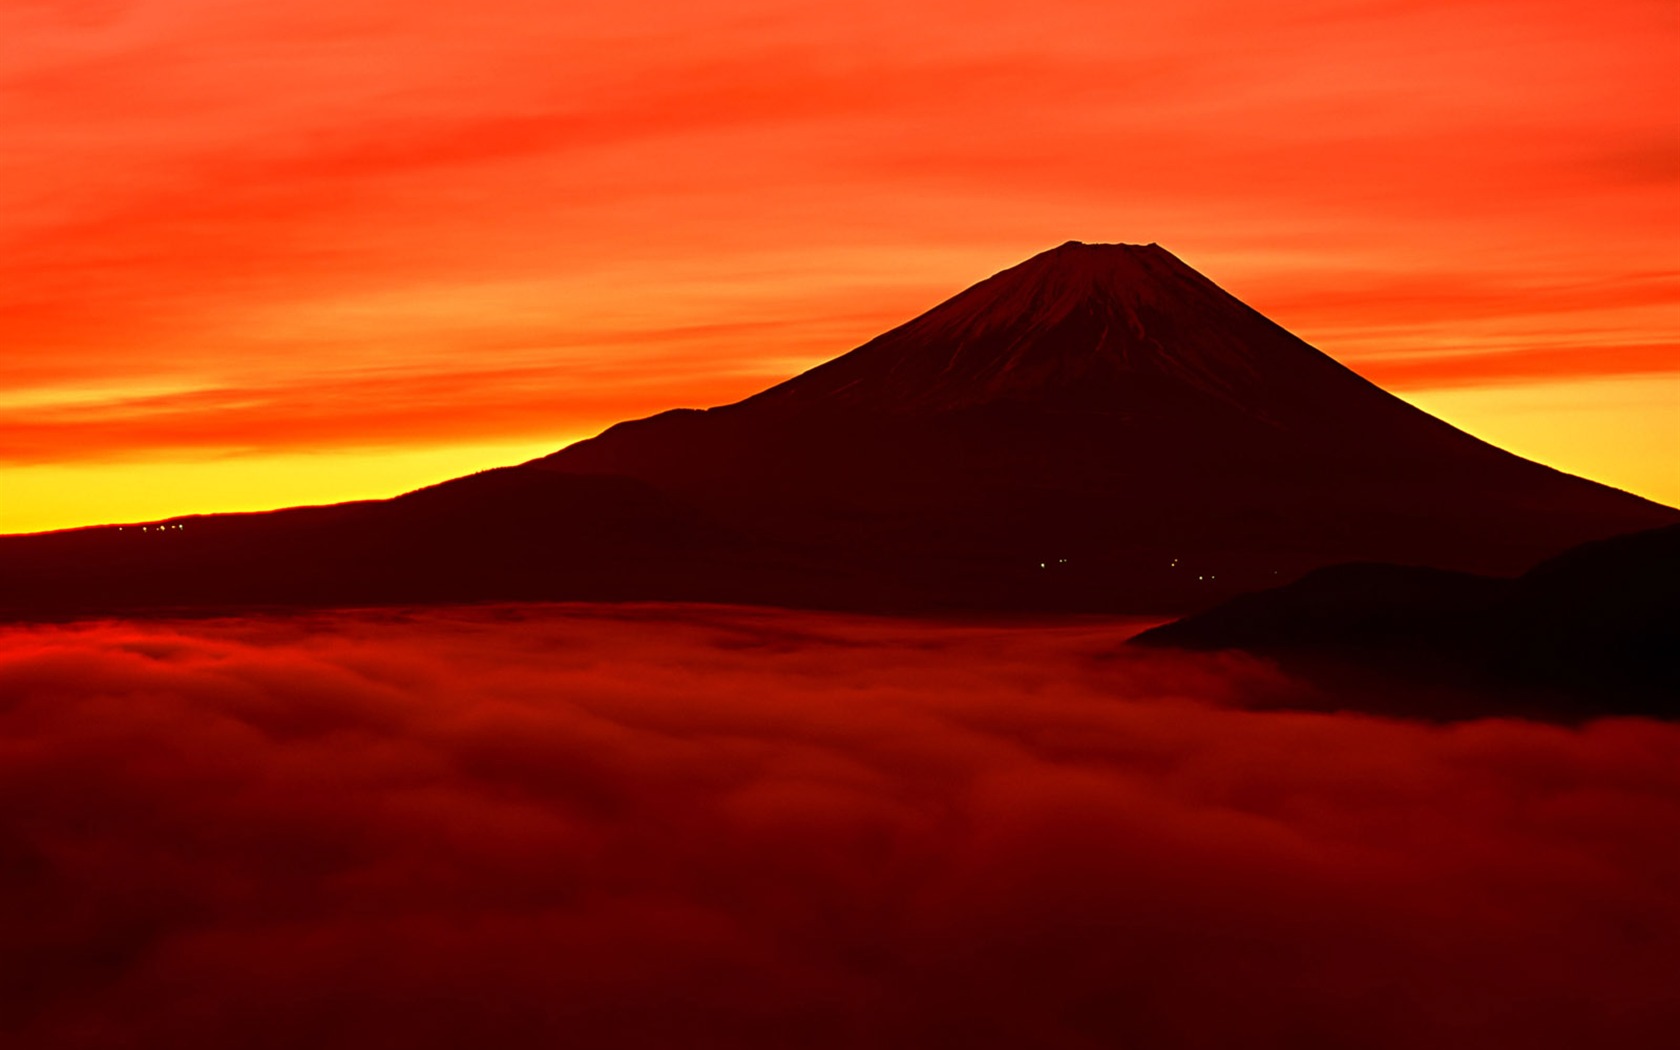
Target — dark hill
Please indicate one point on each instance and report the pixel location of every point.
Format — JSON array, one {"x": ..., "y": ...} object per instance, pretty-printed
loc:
[{"x": 1594, "y": 631}]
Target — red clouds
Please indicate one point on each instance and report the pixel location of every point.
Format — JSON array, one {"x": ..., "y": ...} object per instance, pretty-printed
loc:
[{"x": 708, "y": 827}]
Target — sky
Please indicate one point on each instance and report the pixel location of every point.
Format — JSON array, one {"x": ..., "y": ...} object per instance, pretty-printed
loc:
[
  {"x": 626, "y": 826},
  {"x": 261, "y": 254}
]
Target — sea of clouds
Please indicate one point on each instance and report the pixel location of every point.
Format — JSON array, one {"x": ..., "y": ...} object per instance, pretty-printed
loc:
[{"x": 706, "y": 827}]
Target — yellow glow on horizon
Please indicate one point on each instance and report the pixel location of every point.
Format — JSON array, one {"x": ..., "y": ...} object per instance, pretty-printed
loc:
[
  {"x": 1622, "y": 431},
  {"x": 66, "y": 495}
]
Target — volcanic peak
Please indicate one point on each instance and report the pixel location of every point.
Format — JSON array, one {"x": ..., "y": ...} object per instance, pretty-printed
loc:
[
  {"x": 1117, "y": 279},
  {"x": 1079, "y": 323},
  {"x": 1098, "y": 429}
]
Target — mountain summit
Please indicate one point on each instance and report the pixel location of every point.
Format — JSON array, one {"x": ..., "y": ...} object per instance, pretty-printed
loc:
[
  {"x": 1098, "y": 428},
  {"x": 1086, "y": 323}
]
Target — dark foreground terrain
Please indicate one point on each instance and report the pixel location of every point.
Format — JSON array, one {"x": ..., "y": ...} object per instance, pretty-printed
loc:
[{"x": 1594, "y": 631}]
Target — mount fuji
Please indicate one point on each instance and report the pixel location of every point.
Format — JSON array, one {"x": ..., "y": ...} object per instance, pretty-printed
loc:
[{"x": 1099, "y": 428}]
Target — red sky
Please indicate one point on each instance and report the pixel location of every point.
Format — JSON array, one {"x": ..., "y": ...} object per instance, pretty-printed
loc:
[
  {"x": 625, "y": 827},
  {"x": 263, "y": 254}
]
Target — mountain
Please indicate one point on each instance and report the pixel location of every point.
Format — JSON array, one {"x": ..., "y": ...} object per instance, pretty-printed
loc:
[
  {"x": 1591, "y": 632},
  {"x": 1108, "y": 413},
  {"x": 1100, "y": 428}
]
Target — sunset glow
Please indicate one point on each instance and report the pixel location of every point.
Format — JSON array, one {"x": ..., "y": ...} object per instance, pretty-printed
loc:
[
  {"x": 1043, "y": 648},
  {"x": 258, "y": 255}
]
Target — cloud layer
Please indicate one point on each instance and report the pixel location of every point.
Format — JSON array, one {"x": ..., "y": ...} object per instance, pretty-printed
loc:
[{"x": 711, "y": 827}]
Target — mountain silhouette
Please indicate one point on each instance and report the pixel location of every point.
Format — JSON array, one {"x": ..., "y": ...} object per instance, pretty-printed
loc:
[
  {"x": 1100, "y": 428},
  {"x": 1591, "y": 632}
]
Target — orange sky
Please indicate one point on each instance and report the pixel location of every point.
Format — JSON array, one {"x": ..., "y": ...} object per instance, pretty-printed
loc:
[{"x": 258, "y": 254}]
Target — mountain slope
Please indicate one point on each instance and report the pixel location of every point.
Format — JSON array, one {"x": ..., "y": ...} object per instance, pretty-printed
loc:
[{"x": 1099, "y": 428}]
